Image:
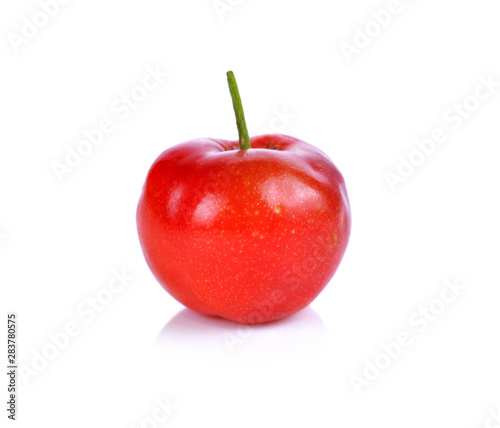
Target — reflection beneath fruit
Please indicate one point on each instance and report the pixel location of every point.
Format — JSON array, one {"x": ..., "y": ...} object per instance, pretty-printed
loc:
[{"x": 189, "y": 335}]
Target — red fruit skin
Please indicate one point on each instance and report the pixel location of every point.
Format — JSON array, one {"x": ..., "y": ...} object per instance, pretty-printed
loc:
[{"x": 248, "y": 235}]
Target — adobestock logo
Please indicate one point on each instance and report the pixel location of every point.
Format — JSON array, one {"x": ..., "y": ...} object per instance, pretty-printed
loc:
[
  {"x": 160, "y": 413},
  {"x": 87, "y": 311},
  {"x": 453, "y": 118},
  {"x": 223, "y": 7},
  {"x": 49, "y": 9},
  {"x": 318, "y": 254},
  {"x": 372, "y": 29},
  {"x": 279, "y": 122},
  {"x": 420, "y": 320},
  {"x": 122, "y": 107},
  {"x": 493, "y": 420},
  {"x": 263, "y": 310},
  {"x": 294, "y": 278}
]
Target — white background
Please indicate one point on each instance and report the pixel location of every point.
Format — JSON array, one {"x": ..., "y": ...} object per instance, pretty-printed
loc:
[{"x": 62, "y": 240}]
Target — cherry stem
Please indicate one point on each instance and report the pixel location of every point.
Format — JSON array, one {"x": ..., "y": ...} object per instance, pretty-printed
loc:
[{"x": 238, "y": 111}]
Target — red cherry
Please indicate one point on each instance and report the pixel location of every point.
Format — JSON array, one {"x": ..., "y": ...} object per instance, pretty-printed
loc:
[{"x": 251, "y": 231}]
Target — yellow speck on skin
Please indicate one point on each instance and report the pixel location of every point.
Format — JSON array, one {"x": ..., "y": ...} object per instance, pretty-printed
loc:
[{"x": 293, "y": 230}]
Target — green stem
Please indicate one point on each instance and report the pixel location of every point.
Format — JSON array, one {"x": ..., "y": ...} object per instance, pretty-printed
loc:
[{"x": 238, "y": 111}]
